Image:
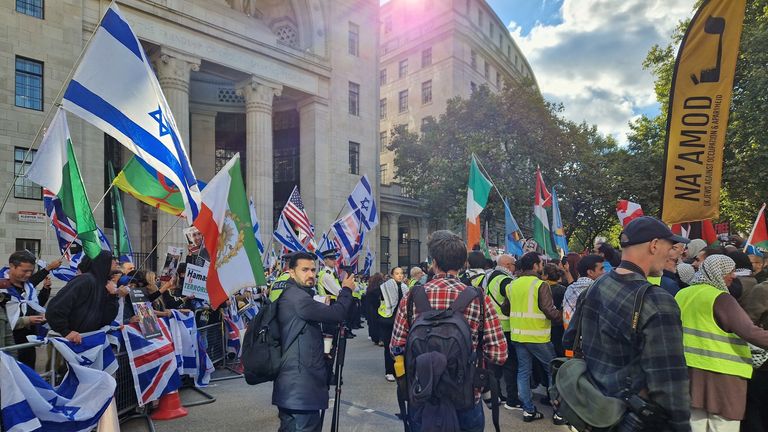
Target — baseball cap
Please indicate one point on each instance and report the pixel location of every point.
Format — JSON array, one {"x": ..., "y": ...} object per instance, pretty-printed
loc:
[{"x": 645, "y": 229}]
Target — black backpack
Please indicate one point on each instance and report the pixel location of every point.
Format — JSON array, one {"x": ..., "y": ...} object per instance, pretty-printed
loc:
[
  {"x": 446, "y": 332},
  {"x": 262, "y": 351}
]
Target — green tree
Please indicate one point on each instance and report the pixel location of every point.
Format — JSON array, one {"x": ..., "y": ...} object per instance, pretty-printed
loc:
[{"x": 512, "y": 133}]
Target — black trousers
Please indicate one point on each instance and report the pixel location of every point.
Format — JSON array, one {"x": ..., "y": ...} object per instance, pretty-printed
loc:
[
  {"x": 756, "y": 417},
  {"x": 385, "y": 332},
  {"x": 508, "y": 373},
  {"x": 299, "y": 421}
]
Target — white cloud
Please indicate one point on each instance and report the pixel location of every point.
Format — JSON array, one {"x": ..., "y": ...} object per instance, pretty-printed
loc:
[{"x": 592, "y": 60}]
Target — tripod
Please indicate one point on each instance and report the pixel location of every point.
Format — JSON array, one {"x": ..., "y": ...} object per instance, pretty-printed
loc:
[{"x": 341, "y": 351}]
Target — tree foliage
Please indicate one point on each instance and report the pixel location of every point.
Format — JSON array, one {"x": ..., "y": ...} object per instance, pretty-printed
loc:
[{"x": 511, "y": 133}]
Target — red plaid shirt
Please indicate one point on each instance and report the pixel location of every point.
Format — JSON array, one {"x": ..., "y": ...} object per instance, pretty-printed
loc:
[{"x": 441, "y": 292}]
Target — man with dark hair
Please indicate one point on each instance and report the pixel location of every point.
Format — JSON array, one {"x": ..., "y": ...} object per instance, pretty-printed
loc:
[
  {"x": 590, "y": 268},
  {"x": 449, "y": 253},
  {"x": 477, "y": 264},
  {"x": 300, "y": 390},
  {"x": 20, "y": 310},
  {"x": 532, "y": 312},
  {"x": 654, "y": 360}
]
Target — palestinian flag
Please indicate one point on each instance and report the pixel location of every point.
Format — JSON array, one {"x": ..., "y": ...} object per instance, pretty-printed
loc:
[
  {"x": 758, "y": 238},
  {"x": 478, "y": 190},
  {"x": 144, "y": 183},
  {"x": 541, "y": 200},
  {"x": 225, "y": 222},
  {"x": 55, "y": 168}
]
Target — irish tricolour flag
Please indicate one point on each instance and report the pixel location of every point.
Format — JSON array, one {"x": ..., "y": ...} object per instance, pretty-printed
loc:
[
  {"x": 478, "y": 189},
  {"x": 55, "y": 168},
  {"x": 225, "y": 222}
]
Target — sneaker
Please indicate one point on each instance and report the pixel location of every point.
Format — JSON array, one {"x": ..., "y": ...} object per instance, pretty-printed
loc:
[
  {"x": 513, "y": 406},
  {"x": 531, "y": 416},
  {"x": 390, "y": 377},
  {"x": 557, "y": 420}
]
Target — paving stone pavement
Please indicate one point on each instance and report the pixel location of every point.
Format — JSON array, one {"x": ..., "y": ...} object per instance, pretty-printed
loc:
[{"x": 369, "y": 403}]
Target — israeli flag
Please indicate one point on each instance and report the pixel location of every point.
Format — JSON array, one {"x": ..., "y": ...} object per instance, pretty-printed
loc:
[
  {"x": 256, "y": 229},
  {"x": 115, "y": 89},
  {"x": 362, "y": 201},
  {"x": 190, "y": 359},
  {"x": 93, "y": 352},
  {"x": 286, "y": 236},
  {"x": 67, "y": 272},
  {"x": 29, "y": 403}
]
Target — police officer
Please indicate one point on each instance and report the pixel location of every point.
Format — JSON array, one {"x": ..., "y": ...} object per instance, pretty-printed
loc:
[
  {"x": 278, "y": 285},
  {"x": 329, "y": 284},
  {"x": 392, "y": 291}
]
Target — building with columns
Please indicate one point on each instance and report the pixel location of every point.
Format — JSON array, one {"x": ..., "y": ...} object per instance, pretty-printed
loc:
[
  {"x": 289, "y": 84},
  {"x": 431, "y": 51}
]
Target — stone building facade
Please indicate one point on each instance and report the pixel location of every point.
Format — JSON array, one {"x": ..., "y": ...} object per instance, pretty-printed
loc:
[
  {"x": 431, "y": 51},
  {"x": 289, "y": 84}
]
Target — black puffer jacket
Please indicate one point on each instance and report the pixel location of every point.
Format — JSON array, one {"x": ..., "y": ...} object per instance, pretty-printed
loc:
[{"x": 303, "y": 380}]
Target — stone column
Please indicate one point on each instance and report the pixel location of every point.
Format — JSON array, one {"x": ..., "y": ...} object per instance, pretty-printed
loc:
[
  {"x": 394, "y": 240},
  {"x": 173, "y": 72},
  {"x": 259, "y": 95},
  {"x": 423, "y": 235},
  {"x": 315, "y": 160},
  {"x": 202, "y": 142}
]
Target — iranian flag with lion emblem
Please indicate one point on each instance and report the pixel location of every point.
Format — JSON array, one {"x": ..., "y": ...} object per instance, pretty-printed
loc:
[{"x": 225, "y": 222}]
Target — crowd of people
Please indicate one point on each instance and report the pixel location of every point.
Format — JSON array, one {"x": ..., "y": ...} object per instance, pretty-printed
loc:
[{"x": 697, "y": 363}]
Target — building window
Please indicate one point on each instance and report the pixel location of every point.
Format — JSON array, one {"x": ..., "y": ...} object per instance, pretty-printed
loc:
[
  {"x": 501, "y": 42},
  {"x": 480, "y": 18},
  {"x": 354, "y": 158},
  {"x": 31, "y": 245},
  {"x": 425, "y": 122},
  {"x": 29, "y": 84},
  {"x": 402, "y": 103},
  {"x": 498, "y": 79},
  {"x": 426, "y": 92},
  {"x": 384, "y": 169},
  {"x": 490, "y": 30},
  {"x": 383, "y": 140},
  {"x": 31, "y": 7},
  {"x": 426, "y": 57},
  {"x": 24, "y": 188},
  {"x": 387, "y": 24},
  {"x": 509, "y": 51},
  {"x": 473, "y": 86},
  {"x": 382, "y": 108},
  {"x": 467, "y": 6},
  {"x": 354, "y": 98},
  {"x": 487, "y": 70},
  {"x": 402, "y": 69},
  {"x": 382, "y": 77},
  {"x": 473, "y": 59},
  {"x": 354, "y": 39}
]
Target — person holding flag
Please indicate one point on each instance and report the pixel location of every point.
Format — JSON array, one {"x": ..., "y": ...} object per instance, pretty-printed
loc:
[{"x": 19, "y": 307}]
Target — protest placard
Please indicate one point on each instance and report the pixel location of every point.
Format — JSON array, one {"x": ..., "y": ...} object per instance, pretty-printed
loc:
[{"x": 194, "y": 282}]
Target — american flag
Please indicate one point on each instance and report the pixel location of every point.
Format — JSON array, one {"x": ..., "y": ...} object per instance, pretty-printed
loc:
[{"x": 294, "y": 212}]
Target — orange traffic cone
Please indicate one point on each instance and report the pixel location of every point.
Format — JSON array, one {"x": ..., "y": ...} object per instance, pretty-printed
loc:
[{"x": 170, "y": 407}]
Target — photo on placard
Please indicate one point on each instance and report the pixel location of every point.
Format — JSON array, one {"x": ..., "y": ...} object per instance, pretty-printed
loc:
[
  {"x": 195, "y": 245},
  {"x": 172, "y": 260},
  {"x": 142, "y": 308}
]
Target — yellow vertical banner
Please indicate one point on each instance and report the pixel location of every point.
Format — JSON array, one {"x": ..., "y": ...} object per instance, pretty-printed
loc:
[{"x": 699, "y": 101}]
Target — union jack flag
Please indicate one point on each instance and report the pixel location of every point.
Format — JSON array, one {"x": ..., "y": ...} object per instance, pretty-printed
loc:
[
  {"x": 294, "y": 212},
  {"x": 153, "y": 363},
  {"x": 66, "y": 231},
  {"x": 233, "y": 336}
]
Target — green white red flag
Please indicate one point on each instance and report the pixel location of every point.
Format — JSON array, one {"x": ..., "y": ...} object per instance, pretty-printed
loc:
[
  {"x": 55, "y": 168},
  {"x": 225, "y": 222}
]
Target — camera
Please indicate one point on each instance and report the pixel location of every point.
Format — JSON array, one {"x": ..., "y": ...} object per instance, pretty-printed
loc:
[{"x": 642, "y": 415}]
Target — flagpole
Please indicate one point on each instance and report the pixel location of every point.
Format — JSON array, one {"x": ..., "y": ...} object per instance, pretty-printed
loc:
[
  {"x": 752, "y": 233},
  {"x": 94, "y": 209},
  {"x": 56, "y": 103},
  {"x": 489, "y": 177}
]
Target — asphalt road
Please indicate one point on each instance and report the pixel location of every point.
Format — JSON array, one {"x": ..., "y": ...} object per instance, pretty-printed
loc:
[{"x": 369, "y": 403}]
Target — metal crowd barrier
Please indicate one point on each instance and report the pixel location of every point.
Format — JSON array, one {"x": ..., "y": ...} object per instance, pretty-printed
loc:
[{"x": 125, "y": 394}]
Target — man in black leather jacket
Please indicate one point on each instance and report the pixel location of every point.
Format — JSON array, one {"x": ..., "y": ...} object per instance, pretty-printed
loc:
[{"x": 301, "y": 388}]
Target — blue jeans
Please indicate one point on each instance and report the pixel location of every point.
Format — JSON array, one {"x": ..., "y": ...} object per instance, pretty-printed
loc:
[
  {"x": 470, "y": 420},
  {"x": 526, "y": 353}
]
